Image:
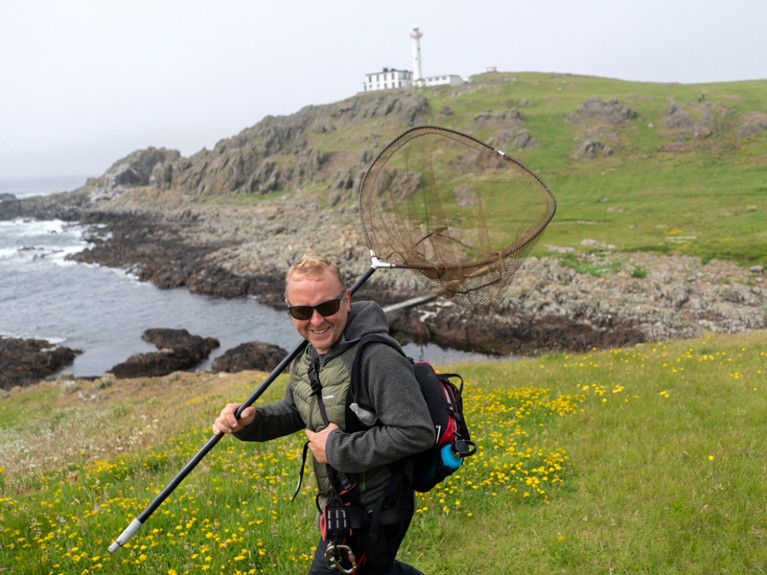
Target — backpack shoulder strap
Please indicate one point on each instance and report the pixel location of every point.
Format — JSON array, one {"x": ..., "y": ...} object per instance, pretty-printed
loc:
[{"x": 357, "y": 365}]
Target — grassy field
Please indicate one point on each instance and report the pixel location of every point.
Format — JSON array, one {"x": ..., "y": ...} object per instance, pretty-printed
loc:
[
  {"x": 658, "y": 190},
  {"x": 648, "y": 460}
]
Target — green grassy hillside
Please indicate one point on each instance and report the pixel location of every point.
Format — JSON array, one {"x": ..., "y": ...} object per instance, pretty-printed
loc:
[
  {"x": 647, "y": 460},
  {"x": 686, "y": 172}
]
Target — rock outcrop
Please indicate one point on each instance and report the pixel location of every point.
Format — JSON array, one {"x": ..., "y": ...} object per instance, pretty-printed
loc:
[
  {"x": 26, "y": 361},
  {"x": 252, "y": 355},
  {"x": 178, "y": 350},
  {"x": 229, "y": 221}
]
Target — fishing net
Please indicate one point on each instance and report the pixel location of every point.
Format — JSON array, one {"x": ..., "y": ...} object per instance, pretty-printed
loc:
[{"x": 459, "y": 214}]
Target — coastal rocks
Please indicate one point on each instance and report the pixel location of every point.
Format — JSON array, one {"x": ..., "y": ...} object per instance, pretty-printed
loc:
[
  {"x": 626, "y": 299},
  {"x": 10, "y": 207},
  {"x": 136, "y": 169},
  {"x": 170, "y": 252},
  {"x": 499, "y": 333},
  {"x": 250, "y": 356},
  {"x": 252, "y": 162},
  {"x": 27, "y": 361},
  {"x": 563, "y": 301},
  {"x": 178, "y": 350}
]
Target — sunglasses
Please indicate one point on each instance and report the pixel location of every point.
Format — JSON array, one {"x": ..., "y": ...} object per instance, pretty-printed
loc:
[{"x": 325, "y": 309}]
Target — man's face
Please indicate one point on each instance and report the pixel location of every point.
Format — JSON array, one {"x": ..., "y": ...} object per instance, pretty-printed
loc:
[{"x": 321, "y": 332}]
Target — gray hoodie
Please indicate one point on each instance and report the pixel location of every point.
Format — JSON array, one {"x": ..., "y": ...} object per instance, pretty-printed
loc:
[{"x": 388, "y": 387}]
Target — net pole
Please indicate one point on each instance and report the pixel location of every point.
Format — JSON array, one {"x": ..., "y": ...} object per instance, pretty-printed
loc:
[{"x": 142, "y": 517}]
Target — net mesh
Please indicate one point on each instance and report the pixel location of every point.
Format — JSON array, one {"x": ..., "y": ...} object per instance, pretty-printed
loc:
[{"x": 460, "y": 214}]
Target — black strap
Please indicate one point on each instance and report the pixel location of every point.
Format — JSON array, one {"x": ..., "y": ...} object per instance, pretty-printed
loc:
[
  {"x": 314, "y": 380},
  {"x": 304, "y": 453}
]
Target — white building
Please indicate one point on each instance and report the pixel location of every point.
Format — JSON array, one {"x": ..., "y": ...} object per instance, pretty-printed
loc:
[
  {"x": 391, "y": 79},
  {"x": 446, "y": 80},
  {"x": 388, "y": 79}
]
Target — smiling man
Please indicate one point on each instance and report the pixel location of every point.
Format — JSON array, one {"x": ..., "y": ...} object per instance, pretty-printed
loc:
[{"x": 370, "y": 458}]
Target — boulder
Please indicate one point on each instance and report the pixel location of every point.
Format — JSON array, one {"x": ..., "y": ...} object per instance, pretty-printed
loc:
[
  {"x": 610, "y": 112},
  {"x": 10, "y": 207},
  {"x": 27, "y": 361},
  {"x": 253, "y": 355},
  {"x": 178, "y": 351},
  {"x": 592, "y": 149}
]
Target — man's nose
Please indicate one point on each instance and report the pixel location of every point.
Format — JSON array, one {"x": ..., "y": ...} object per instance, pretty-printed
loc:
[{"x": 317, "y": 318}]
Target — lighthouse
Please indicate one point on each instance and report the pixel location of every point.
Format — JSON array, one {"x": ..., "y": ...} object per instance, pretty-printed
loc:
[
  {"x": 392, "y": 79},
  {"x": 417, "y": 76}
]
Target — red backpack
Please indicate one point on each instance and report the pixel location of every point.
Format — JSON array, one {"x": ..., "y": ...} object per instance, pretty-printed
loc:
[{"x": 452, "y": 441}]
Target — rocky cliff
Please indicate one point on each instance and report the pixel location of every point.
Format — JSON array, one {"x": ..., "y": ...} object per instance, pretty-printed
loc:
[{"x": 229, "y": 221}]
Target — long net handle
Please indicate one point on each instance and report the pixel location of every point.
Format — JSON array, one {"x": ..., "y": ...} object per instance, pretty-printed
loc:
[{"x": 142, "y": 517}]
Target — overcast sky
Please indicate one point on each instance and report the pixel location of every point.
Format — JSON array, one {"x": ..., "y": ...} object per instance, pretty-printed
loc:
[{"x": 85, "y": 82}]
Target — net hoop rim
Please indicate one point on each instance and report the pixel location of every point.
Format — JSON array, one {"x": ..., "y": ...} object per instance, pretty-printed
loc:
[{"x": 497, "y": 256}]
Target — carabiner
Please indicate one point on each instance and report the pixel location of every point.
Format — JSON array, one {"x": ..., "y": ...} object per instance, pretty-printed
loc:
[{"x": 333, "y": 558}]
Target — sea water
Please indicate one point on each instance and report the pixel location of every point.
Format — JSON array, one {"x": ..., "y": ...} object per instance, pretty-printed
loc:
[{"x": 103, "y": 311}]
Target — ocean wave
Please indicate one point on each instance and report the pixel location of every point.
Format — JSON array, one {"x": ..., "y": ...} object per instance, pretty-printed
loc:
[{"x": 25, "y": 241}]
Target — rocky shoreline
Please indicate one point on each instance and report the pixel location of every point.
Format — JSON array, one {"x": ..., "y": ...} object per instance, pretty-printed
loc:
[
  {"x": 229, "y": 221},
  {"x": 559, "y": 301},
  {"x": 601, "y": 299}
]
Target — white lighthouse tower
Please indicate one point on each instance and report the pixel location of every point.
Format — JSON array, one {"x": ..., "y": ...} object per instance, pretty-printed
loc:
[
  {"x": 417, "y": 76},
  {"x": 392, "y": 79}
]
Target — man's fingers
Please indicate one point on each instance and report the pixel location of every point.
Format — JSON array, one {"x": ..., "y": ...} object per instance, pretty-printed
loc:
[
  {"x": 247, "y": 415},
  {"x": 227, "y": 422}
]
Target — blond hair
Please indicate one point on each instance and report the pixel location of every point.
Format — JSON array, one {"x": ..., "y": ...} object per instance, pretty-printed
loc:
[{"x": 314, "y": 268}]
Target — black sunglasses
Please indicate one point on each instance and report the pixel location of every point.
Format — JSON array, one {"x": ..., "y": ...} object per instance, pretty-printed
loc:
[{"x": 325, "y": 309}]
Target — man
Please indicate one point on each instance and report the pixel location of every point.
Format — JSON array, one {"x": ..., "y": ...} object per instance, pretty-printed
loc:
[{"x": 322, "y": 313}]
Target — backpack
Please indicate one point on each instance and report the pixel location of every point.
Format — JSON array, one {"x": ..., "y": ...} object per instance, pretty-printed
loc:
[{"x": 452, "y": 441}]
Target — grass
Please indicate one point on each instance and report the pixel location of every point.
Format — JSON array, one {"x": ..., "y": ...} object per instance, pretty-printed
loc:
[
  {"x": 712, "y": 213},
  {"x": 641, "y": 460},
  {"x": 598, "y": 269}
]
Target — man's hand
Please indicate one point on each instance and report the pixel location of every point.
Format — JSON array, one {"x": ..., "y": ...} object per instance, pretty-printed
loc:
[
  {"x": 226, "y": 422},
  {"x": 318, "y": 440}
]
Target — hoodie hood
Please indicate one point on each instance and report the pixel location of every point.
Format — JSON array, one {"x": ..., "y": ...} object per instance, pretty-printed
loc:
[{"x": 365, "y": 317}]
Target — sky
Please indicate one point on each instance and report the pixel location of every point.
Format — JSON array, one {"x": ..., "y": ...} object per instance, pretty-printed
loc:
[{"x": 83, "y": 83}]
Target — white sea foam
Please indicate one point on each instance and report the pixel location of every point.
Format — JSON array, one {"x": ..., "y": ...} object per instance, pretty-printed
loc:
[
  {"x": 53, "y": 340},
  {"x": 27, "y": 241}
]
